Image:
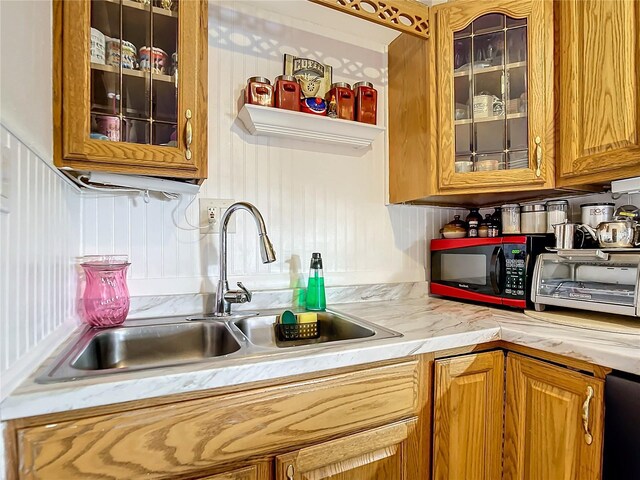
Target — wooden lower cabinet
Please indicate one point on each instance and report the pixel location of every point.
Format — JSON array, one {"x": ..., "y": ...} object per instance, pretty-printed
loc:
[
  {"x": 385, "y": 453},
  {"x": 236, "y": 435},
  {"x": 258, "y": 471},
  {"x": 467, "y": 419},
  {"x": 554, "y": 422}
]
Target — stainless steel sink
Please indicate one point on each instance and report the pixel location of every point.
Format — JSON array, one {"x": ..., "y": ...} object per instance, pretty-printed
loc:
[
  {"x": 138, "y": 347},
  {"x": 331, "y": 327},
  {"x": 163, "y": 342}
]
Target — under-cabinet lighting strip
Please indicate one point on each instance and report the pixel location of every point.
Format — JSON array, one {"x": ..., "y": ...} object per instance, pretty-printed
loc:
[{"x": 143, "y": 183}]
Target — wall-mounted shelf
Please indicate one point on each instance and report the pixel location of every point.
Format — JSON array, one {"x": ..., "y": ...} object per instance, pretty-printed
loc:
[{"x": 275, "y": 122}]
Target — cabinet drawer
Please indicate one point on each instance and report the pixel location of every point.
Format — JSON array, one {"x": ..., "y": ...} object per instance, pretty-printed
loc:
[{"x": 170, "y": 440}]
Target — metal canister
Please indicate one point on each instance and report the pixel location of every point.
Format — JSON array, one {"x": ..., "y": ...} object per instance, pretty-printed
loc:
[
  {"x": 287, "y": 93},
  {"x": 595, "y": 213},
  {"x": 344, "y": 98},
  {"x": 259, "y": 91},
  {"x": 366, "y": 102},
  {"x": 533, "y": 218}
]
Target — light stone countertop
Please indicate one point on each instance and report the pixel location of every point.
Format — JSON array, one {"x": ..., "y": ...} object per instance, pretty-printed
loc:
[{"x": 427, "y": 324}]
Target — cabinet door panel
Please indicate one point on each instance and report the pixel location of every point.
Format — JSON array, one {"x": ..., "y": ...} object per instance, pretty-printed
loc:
[
  {"x": 495, "y": 96},
  {"x": 597, "y": 75},
  {"x": 259, "y": 471},
  {"x": 469, "y": 393},
  {"x": 386, "y": 453},
  {"x": 545, "y": 430}
]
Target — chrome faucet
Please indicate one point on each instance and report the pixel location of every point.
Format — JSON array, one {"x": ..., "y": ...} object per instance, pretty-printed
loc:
[{"x": 224, "y": 296}]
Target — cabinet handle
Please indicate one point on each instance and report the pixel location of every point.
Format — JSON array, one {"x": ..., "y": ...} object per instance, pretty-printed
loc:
[
  {"x": 538, "y": 141},
  {"x": 188, "y": 134},
  {"x": 290, "y": 472},
  {"x": 585, "y": 415}
]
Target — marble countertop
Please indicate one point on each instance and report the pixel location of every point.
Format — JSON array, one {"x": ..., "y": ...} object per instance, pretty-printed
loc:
[{"x": 427, "y": 324}]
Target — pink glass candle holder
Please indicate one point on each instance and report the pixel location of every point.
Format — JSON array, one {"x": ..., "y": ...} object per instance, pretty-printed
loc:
[{"x": 105, "y": 301}]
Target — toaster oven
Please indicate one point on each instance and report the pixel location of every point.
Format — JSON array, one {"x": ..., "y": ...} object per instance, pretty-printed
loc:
[{"x": 588, "y": 280}]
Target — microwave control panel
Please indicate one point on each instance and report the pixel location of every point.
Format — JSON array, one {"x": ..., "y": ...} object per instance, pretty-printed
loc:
[{"x": 516, "y": 270}]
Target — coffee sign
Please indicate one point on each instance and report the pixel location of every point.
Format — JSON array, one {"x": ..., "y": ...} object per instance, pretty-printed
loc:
[{"x": 314, "y": 77}]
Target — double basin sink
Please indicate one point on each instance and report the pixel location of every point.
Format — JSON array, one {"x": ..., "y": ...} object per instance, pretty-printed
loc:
[{"x": 175, "y": 341}]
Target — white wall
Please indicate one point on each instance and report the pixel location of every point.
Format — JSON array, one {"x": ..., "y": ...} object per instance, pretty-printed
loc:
[
  {"x": 40, "y": 233},
  {"x": 313, "y": 197},
  {"x": 26, "y": 70}
]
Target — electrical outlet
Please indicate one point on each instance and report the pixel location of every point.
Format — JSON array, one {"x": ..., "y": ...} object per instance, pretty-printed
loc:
[{"x": 211, "y": 210}]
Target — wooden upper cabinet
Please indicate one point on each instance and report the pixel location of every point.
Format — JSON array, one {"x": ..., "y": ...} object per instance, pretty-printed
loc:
[
  {"x": 386, "y": 453},
  {"x": 130, "y": 87},
  {"x": 468, "y": 411},
  {"x": 495, "y": 96},
  {"x": 554, "y": 422},
  {"x": 412, "y": 93},
  {"x": 597, "y": 75}
]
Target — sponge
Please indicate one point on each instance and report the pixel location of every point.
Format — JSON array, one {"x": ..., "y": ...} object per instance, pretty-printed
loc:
[
  {"x": 288, "y": 318},
  {"x": 307, "y": 317}
]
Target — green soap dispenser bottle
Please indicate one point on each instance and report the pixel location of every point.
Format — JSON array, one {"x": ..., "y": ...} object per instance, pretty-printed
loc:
[{"x": 316, "y": 299}]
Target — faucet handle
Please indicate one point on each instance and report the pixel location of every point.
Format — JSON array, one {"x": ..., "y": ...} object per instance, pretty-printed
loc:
[{"x": 246, "y": 292}]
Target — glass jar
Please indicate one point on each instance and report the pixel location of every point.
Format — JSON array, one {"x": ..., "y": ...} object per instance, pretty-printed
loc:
[
  {"x": 473, "y": 222},
  {"x": 366, "y": 102},
  {"x": 287, "y": 93},
  {"x": 510, "y": 218},
  {"x": 496, "y": 219},
  {"x": 533, "y": 218},
  {"x": 557, "y": 212},
  {"x": 259, "y": 91},
  {"x": 344, "y": 98},
  {"x": 105, "y": 300},
  {"x": 486, "y": 226}
]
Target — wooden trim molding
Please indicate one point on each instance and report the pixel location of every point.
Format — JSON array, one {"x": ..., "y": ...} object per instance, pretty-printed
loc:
[{"x": 408, "y": 16}]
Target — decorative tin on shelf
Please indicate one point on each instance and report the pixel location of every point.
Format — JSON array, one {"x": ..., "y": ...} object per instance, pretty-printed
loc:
[
  {"x": 314, "y": 77},
  {"x": 259, "y": 91},
  {"x": 314, "y": 105}
]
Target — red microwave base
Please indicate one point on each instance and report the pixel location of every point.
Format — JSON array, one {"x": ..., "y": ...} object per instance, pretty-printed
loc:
[{"x": 461, "y": 294}]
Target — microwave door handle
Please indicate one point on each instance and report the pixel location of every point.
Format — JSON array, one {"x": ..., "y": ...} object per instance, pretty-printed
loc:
[{"x": 495, "y": 274}]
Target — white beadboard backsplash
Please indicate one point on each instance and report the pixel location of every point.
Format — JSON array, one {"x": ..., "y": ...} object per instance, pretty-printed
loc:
[
  {"x": 313, "y": 197},
  {"x": 40, "y": 239}
]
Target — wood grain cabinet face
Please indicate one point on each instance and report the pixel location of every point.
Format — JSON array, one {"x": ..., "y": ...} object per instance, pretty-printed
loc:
[
  {"x": 259, "y": 471},
  {"x": 385, "y": 453},
  {"x": 176, "y": 439},
  {"x": 550, "y": 412},
  {"x": 495, "y": 96},
  {"x": 597, "y": 73},
  {"x": 120, "y": 106},
  {"x": 468, "y": 411}
]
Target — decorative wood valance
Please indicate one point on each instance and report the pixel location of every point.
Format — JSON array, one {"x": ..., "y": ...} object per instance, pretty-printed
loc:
[{"x": 407, "y": 16}]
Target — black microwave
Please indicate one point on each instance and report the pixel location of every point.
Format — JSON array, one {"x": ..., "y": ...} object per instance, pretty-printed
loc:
[{"x": 496, "y": 270}]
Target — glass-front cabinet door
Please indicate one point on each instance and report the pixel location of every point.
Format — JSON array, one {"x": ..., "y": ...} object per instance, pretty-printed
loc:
[
  {"x": 495, "y": 95},
  {"x": 134, "y": 86}
]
